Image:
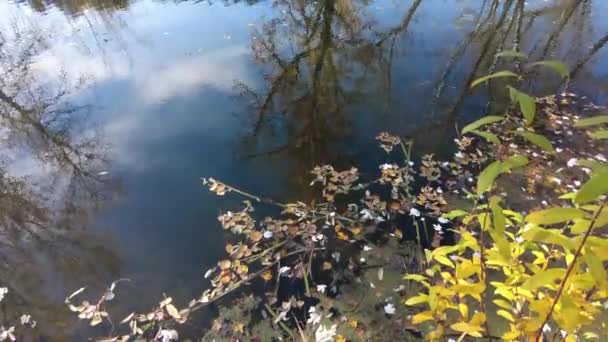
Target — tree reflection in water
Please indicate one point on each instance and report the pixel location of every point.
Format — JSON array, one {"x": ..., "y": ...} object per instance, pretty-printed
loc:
[
  {"x": 51, "y": 180},
  {"x": 322, "y": 58}
]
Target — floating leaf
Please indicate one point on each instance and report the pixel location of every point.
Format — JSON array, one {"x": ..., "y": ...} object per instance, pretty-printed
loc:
[
  {"x": 512, "y": 53},
  {"x": 527, "y": 104},
  {"x": 504, "y": 73},
  {"x": 554, "y": 215},
  {"x": 597, "y": 185},
  {"x": 488, "y": 136},
  {"x": 557, "y": 66},
  {"x": 482, "y": 122},
  {"x": 538, "y": 140},
  {"x": 255, "y": 235},
  {"x": 599, "y": 135},
  {"x": 592, "y": 121}
]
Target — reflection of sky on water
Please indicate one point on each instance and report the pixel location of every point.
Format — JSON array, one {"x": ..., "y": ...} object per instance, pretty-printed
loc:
[{"x": 163, "y": 78}]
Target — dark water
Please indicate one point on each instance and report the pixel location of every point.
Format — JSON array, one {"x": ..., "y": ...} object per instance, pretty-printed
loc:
[{"x": 129, "y": 103}]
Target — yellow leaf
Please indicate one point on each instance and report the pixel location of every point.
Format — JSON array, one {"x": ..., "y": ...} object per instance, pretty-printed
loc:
[
  {"x": 422, "y": 298},
  {"x": 353, "y": 323},
  {"x": 444, "y": 260},
  {"x": 415, "y": 277},
  {"x": 342, "y": 235},
  {"x": 503, "y": 304},
  {"x": 511, "y": 335},
  {"x": 506, "y": 315},
  {"x": 464, "y": 310},
  {"x": 355, "y": 230},
  {"x": 580, "y": 226},
  {"x": 255, "y": 235},
  {"x": 422, "y": 317},
  {"x": 554, "y": 215},
  {"x": 545, "y": 278},
  {"x": 398, "y": 233},
  {"x": 267, "y": 275},
  {"x": 172, "y": 311},
  {"x": 340, "y": 338}
]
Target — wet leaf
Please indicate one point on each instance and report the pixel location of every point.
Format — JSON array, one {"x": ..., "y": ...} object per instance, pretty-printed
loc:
[
  {"x": 559, "y": 67},
  {"x": 592, "y": 121},
  {"x": 499, "y": 74},
  {"x": 481, "y": 122}
]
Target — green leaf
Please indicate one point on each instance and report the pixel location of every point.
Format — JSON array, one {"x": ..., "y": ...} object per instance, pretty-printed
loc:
[
  {"x": 481, "y": 122},
  {"x": 488, "y": 136},
  {"x": 527, "y": 104},
  {"x": 514, "y": 162},
  {"x": 538, "y": 140},
  {"x": 596, "y": 268},
  {"x": 554, "y": 215},
  {"x": 580, "y": 226},
  {"x": 488, "y": 176},
  {"x": 599, "y": 135},
  {"x": 592, "y": 164},
  {"x": 597, "y": 185},
  {"x": 549, "y": 236},
  {"x": 500, "y": 222},
  {"x": 557, "y": 66},
  {"x": 504, "y": 73},
  {"x": 454, "y": 214},
  {"x": 544, "y": 278},
  {"x": 512, "y": 53},
  {"x": 592, "y": 121}
]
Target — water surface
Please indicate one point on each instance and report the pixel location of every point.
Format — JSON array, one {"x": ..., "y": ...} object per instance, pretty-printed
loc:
[{"x": 156, "y": 94}]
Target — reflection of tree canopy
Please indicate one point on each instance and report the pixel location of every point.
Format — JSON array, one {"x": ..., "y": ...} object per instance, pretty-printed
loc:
[
  {"x": 41, "y": 128},
  {"x": 320, "y": 58},
  {"x": 73, "y": 7}
]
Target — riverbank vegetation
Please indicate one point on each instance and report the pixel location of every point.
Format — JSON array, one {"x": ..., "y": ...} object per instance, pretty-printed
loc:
[{"x": 506, "y": 241}]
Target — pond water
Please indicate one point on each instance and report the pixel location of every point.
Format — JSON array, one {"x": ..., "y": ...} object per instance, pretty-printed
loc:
[{"x": 130, "y": 103}]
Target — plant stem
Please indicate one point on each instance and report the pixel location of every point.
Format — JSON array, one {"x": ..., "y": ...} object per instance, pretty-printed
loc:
[{"x": 569, "y": 271}]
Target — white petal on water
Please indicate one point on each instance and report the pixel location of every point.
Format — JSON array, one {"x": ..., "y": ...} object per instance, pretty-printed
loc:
[{"x": 389, "y": 309}]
